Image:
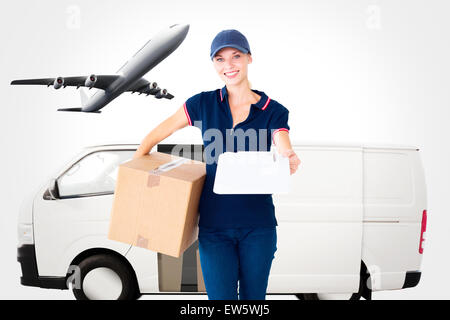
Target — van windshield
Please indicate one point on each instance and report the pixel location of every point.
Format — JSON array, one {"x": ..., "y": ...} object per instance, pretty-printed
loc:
[{"x": 94, "y": 174}]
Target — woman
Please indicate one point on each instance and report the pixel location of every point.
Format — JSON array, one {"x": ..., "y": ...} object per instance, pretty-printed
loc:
[{"x": 237, "y": 233}]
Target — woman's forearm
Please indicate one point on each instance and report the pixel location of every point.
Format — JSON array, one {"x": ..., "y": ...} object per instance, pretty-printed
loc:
[
  {"x": 282, "y": 141},
  {"x": 175, "y": 122},
  {"x": 151, "y": 139},
  {"x": 284, "y": 147}
]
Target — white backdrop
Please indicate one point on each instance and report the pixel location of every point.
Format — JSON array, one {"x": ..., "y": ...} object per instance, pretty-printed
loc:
[{"x": 364, "y": 71}]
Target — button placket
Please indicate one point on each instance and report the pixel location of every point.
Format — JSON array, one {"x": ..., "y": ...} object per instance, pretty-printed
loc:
[{"x": 230, "y": 116}]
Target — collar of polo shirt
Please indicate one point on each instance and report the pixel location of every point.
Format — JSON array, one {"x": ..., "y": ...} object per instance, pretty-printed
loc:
[{"x": 261, "y": 104}]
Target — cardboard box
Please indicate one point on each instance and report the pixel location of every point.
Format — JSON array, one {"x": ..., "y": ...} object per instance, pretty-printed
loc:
[{"x": 156, "y": 203}]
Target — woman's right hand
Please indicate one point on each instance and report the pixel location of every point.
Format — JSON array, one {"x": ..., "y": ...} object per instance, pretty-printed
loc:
[{"x": 175, "y": 122}]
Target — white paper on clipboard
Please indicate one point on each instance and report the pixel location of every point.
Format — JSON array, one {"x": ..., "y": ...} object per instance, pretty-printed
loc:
[{"x": 252, "y": 172}]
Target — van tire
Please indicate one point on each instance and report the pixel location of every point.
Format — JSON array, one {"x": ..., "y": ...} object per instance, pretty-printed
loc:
[
  {"x": 315, "y": 296},
  {"x": 130, "y": 289},
  {"x": 363, "y": 291}
]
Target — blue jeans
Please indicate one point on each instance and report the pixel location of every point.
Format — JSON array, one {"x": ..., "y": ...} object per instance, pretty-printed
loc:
[{"x": 236, "y": 254}]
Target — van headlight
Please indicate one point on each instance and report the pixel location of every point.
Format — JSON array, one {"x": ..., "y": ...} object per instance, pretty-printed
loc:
[{"x": 25, "y": 234}]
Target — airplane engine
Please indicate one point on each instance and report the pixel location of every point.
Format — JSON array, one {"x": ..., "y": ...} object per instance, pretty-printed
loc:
[
  {"x": 90, "y": 81},
  {"x": 161, "y": 94},
  {"x": 153, "y": 88},
  {"x": 58, "y": 83}
]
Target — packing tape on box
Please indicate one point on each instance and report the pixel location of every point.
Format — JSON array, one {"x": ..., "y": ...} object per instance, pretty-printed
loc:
[
  {"x": 154, "y": 178},
  {"x": 141, "y": 241}
]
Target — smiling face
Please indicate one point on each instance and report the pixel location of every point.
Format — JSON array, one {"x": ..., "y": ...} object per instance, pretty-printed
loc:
[{"x": 232, "y": 65}]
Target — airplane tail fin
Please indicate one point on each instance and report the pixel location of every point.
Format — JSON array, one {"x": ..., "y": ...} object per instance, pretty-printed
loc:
[
  {"x": 70, "y": 109},
  {"x": 77, "y": 110},
  {"x": 84, "y": 97}
]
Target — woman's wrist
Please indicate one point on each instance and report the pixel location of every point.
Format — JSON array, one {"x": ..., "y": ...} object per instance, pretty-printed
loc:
[{"x": 287, "y": 152}]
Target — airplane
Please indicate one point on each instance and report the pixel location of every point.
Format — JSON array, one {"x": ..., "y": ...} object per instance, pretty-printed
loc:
[{"x": 129, "y": 78}]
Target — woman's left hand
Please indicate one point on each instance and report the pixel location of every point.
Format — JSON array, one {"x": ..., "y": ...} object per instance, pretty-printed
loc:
[{"x": 294, "y": 161}]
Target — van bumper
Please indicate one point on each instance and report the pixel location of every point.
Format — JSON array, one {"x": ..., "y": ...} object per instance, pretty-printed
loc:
[
  {"x": 412, "y": 279},
  {"x": 26, "y": 255}
]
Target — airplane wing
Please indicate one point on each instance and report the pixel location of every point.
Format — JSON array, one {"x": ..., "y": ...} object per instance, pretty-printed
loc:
[
  {"x": 143, "y": 86},
  {"x": 92, "y": 81}
]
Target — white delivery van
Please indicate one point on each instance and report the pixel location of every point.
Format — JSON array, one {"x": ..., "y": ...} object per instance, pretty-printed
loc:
[{"x": 352, "y": 224}]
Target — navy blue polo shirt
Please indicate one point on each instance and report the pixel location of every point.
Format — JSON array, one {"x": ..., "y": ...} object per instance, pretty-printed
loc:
[{"x": 210, "y": 112}]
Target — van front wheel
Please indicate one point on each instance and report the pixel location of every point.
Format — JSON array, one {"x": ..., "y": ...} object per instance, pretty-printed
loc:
[{"x": 105, "y": 277}]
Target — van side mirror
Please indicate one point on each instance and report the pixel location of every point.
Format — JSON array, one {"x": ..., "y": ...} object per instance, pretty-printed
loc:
[{"x": 52, "y": 192}]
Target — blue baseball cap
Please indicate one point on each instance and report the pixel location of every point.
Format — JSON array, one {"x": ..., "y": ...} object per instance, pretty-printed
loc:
[{"x": 229, "y": 38}]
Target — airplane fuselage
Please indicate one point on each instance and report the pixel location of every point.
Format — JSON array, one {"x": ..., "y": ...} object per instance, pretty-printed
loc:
[{"x": 151, "y": 54}]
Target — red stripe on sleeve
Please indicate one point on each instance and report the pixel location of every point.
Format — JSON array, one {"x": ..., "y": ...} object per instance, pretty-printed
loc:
[{"x": 187, "y": 114}]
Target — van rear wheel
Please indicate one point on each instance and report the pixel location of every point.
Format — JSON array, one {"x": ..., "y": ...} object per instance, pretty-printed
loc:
[
  {"x": 363, "y": 290},
  {"x": 105, "y": 277},
  {"x": 329, "y": 296}
]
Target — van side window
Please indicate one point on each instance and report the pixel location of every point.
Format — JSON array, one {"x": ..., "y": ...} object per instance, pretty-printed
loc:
[{"x": 95, "y": 174}]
